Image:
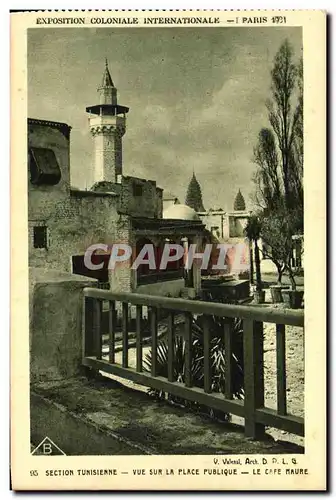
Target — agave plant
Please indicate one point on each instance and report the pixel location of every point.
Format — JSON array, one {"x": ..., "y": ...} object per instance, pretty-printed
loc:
[{"x": 217, "y": 353}]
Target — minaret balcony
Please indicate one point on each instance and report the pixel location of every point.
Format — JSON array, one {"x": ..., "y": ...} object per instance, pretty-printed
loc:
[
  {"x": 100, "y": 121},
  {"x": 107, "y": 109}
]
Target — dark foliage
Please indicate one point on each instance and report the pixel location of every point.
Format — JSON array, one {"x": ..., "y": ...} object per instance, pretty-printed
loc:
[
  {"x": 239, "y": 203},
  {"x": 217, "y": 363},
  {"x": 194, "y": 195}
]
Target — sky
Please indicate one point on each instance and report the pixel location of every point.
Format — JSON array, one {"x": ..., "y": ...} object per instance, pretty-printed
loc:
[{"x": 196, "y": 98}]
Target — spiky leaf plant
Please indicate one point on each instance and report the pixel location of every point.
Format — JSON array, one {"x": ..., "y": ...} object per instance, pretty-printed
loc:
[{"x": 217, "y": 353}]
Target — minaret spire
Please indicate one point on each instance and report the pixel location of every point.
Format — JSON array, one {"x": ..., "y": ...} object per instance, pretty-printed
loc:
[
  {"x": 107, "y": 126},
  {"x": 107, "y": 82}
]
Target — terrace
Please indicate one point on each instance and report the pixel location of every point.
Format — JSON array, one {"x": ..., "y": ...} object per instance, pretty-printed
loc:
[{"x": 113, "y": 404}]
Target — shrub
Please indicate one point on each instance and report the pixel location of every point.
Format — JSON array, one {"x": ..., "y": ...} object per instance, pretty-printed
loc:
[{"x": 217, "y": 352}]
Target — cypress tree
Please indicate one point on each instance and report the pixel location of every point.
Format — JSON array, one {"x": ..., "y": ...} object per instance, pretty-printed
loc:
[
  {"x": 239, "y": 203},
  {"x": 194, "y": 195}
]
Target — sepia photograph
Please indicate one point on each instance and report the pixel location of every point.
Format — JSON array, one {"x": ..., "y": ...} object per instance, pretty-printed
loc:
[
  {"x": 166, "y": 189},
  {"x": 165, "y": 202}
]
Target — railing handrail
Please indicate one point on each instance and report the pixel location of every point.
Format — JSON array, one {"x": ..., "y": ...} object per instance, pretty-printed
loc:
[{"x": 256, "y": 313}]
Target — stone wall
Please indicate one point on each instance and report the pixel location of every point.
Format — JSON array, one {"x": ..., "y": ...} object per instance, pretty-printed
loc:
[
  {"x": 140, "y": 198},
  {"x": 74, "y": 219},
  {"x": 55, "y": 323},
  {"x": 237, "y": 225},
  {"x": 122, "y": 277},
  {"x": 217, "y": 223},
  {"x": 108, "y": 153},
  {"x": 159, "y": 203}
]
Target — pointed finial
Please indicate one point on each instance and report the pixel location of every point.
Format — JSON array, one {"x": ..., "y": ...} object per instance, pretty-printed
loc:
[{"x": 107, "y": 80}]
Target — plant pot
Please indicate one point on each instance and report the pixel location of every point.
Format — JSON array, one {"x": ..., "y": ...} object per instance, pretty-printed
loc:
[
  {"x": 259, "y": 296},
  {"x": 293, "y": 298},
  {"x": 276, "y": 292}
]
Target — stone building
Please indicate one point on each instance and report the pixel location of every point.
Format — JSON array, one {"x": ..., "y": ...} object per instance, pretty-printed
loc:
[
  {"x": 64, "y": 222},
  {"x": 222, "y": 224},
  {"x": 227, "y": 225}
]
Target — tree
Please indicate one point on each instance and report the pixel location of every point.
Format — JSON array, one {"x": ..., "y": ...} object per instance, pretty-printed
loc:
[
  {"x": 239, "y": 203},
  {"x": 279, "y": 159},
  {"x": 194, "y": 195},
  {"x": 277, "y": 232},
  {"x": 252, "y": 231},
  {"x": 267, "y": 180}
]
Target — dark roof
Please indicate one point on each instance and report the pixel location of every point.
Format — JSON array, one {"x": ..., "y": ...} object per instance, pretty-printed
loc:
[
  {"x": 83, "y": 194},
  {"x": 104, "y": 187},
  {"x": 131, "y": 177},
  {"x": 62, "y": 127},
  {"x": 148, "y": 223},
  {"x": 112, "y": 109}
]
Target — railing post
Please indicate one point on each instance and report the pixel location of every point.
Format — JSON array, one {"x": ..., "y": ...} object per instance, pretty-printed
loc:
[
  {"x": 228, "y": 332},
  {"x": 112, "y": 327},
  {"x": 171, "y": 346},
  {"x": 207, "y": 354},
  {"x": 125, "y": 334},
  {"x": 188, "y": 350},
  {"x": 281, "y": 369},
  {"x": 154, "y": 332},
  {"x": 138, "y": 338},
  {"x": 97, "y": 320},
  {"x": 253, "y": 377},
  {"x": 88, "y": 346}
]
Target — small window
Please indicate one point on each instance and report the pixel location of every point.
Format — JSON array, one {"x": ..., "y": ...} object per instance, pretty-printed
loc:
[
  {"x": 40, "y": 237},
  {"x": 137, "y": 190},
  {"x": 43, "y": 166}
]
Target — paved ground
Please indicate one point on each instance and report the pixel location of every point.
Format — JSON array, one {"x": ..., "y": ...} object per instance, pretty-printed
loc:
[
  {"x": 153, "y": 426},
  {"x": 272, "y": 279}
]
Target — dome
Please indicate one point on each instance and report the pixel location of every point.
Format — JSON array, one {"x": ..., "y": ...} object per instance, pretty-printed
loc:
[{"x": 181, "y": 212}]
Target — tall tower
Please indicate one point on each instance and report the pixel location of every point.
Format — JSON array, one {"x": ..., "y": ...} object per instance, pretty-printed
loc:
[{"x": 107, "y": 125}]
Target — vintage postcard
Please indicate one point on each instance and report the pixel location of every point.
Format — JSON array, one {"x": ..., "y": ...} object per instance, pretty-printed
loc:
[{"x": 168, "y": 190}]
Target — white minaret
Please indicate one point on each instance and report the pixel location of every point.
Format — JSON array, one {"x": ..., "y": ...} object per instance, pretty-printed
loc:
[{"x": 107, "y": 126}]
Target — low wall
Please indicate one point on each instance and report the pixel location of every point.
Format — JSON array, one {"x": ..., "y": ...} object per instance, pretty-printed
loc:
[
  {"x": 55, "y": 323},
  {"x": 165, "y": 288}
]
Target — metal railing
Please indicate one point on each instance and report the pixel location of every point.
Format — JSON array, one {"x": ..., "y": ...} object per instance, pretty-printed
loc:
[{"x": 251, "y": 408}]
